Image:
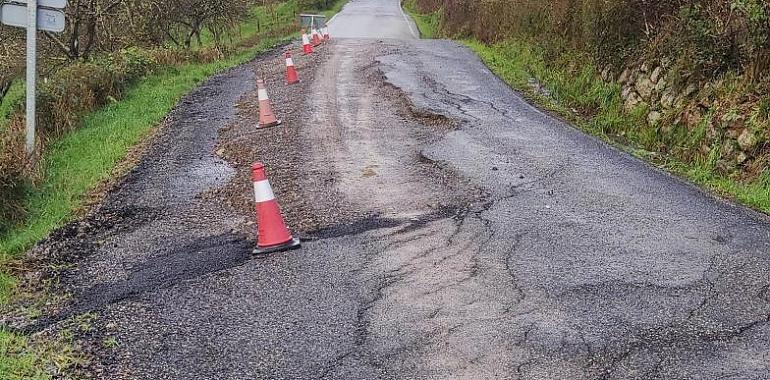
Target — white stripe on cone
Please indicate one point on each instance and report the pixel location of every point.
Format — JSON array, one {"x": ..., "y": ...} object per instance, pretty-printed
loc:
[
  {"x": 263, "y": 192},
  {"x": 305, "y": 39},
  {"x": 289, "y": 62},
  {"x": 262, "y": 94}
]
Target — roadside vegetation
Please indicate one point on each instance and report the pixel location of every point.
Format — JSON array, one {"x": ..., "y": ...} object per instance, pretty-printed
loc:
[
  {"x": 683, "y": 84},
  {"x": 428, "y": 22},
  {"x": 328, "y": 8},
  {"x": 105, "y": 86}
]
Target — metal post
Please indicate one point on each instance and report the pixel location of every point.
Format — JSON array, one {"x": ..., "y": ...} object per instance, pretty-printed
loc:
[{"x": 31, "y": 73}]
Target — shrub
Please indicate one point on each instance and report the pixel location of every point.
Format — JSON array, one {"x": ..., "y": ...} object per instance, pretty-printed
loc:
[
  {"x": 63, "y": 100},
  {"x": 13, "y": 175},
  {"x": 721, "y": 35}
]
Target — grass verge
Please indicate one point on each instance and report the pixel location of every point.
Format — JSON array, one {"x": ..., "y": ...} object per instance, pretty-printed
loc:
[
  {"x": 17, "y": 359},
  {"x": 335, "y": 8},
  {"x": 21, "y": 359},
  {"x": 11, "y": 101}
]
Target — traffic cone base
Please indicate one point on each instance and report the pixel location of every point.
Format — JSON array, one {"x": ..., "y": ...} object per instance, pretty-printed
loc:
[
  {"x": 293, "y": 244},
  {"x": 272, "y": 233},
  {"x": 270, "y": 125}
]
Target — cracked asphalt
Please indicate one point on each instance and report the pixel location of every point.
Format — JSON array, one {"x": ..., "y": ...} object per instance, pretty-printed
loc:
[{"x": 452, "y": 231}]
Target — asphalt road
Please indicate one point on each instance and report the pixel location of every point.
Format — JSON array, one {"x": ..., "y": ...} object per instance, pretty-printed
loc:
[
  {"x": 366, "y": 19},
  {"x": 471, "y": 236}
]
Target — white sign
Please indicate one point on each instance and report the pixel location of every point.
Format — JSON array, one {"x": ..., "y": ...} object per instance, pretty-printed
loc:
[
  {"x": 47, "y": 19},
  {"x": 58, "y": 4}
]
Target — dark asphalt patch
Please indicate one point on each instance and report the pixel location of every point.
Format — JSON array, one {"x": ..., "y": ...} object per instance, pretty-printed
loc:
[{"x": 184, "y": 262}]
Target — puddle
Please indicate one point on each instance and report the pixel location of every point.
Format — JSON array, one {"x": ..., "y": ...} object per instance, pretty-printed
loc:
[{"x": 201, "y": 176}]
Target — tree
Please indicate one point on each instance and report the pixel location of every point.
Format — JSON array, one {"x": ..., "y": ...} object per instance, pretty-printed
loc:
[{"x": 87, "y": 20}]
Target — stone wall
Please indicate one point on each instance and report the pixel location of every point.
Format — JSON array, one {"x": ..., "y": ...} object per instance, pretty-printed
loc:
[{"x": 727, "y": 121}]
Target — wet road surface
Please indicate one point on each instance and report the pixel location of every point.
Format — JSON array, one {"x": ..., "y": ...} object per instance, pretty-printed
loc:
[
  {"x": 373, "y": 19},
  {"x": 474, "y": 237}
]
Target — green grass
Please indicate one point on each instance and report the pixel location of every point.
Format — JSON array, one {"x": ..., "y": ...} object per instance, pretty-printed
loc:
[
  {"x": 755, "y": 194},
  {"x": 261, "y": 19},
  {"x": 428, "y": 24},
  {"x": 525, "y": 67},
  {"x": 21, "y": 359},
  {"x": 11, "y": 101},
  {"x": 334, "y": 9},
  {"x": 18, "y": 361}
]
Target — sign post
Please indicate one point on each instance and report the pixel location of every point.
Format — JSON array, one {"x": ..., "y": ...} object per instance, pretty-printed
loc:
[
  {"x": 26, "y": 14},
  {"x": 31, "y": 74}
]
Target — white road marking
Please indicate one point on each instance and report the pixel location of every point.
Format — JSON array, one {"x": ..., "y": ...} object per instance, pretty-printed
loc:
[
  {"x": 409, "y": 24},
  {"x": 335, "y": 16}
]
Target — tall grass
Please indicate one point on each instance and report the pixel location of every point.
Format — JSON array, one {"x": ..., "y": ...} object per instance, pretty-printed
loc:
[
  {"x": 575, "y": 92},
  {"x": 11, "y": 102},
  {"x": 715, "y": 35}
]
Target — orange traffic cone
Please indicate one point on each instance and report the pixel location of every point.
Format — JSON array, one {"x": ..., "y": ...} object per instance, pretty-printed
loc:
[
  {"x": 266, "y": 116},
  {"x": 272, "y": 234},
  {"x": 306, "y": 47},
  {"x": 291, "y": 71},
  {"x": 325, "y": 32},
  {"x": 316, "y": 37}
]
